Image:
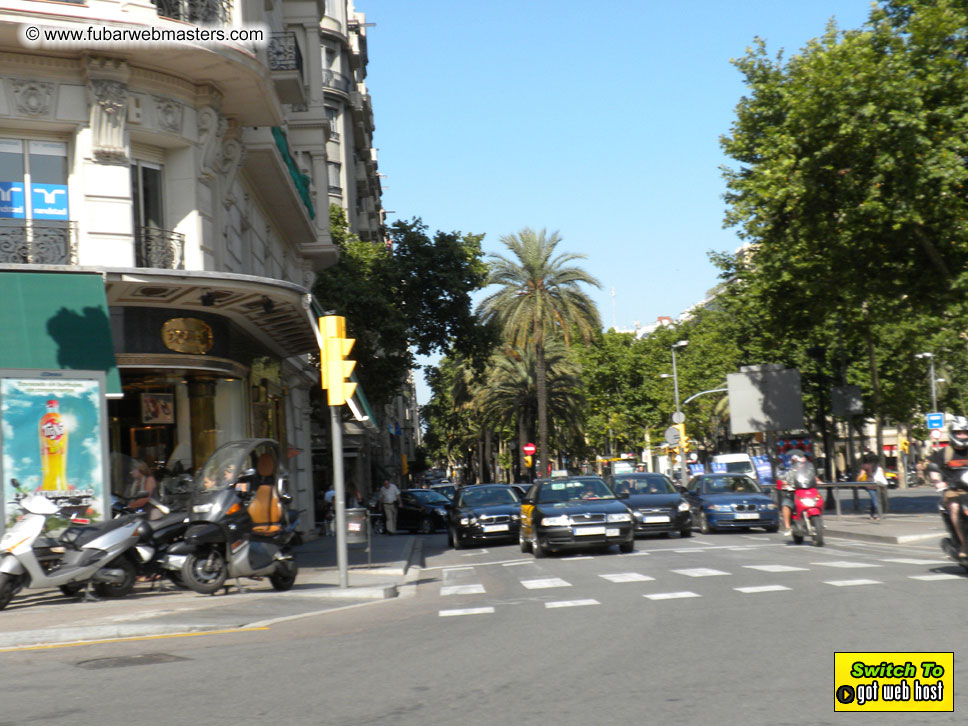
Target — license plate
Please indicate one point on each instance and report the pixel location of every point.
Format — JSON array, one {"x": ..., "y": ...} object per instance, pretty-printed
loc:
[
  {"x": 747, "y": 515},
  {"x": 656, "y": 518},
  {"x": 580, "y": 531},
  {"x": 202, "y": 507},
  {"x": 495, "y": 528},
  {"x": 613, "y": 532}
]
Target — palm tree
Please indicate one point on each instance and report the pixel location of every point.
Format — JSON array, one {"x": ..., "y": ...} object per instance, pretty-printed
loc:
[{"x": 539, "y": 297}]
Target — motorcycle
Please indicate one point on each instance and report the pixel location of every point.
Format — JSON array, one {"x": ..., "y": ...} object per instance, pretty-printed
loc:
[
  {"x": 950, "y": 544},
  {"x": 807, "y": 515},
  {"x": 95, "y": 556},
  {"x": 239, "y": 524}
]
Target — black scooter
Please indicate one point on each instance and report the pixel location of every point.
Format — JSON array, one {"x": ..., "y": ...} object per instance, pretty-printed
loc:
[{"x": 950, "y": 544}]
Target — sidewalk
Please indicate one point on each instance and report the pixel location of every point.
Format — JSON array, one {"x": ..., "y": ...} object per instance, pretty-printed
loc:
[
  {"x": 38, "y": 617},
  {"x": 912, "y": 517}
]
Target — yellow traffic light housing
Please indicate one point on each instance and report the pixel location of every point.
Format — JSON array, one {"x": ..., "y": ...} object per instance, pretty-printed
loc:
[
  {"x": 528, "y": 460},
  {"x": 683, "y": 439},
  {"x": 334, "y": 368}
]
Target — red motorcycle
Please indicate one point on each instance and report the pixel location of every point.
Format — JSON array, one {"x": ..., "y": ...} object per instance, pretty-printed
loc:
[{"x": 807, "y": 515}]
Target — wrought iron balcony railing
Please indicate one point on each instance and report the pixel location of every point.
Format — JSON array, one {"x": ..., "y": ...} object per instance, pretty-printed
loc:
[
  {"x": 159, "y": 248},
  {"x": 284, "y": 53},
  {"x": 198, "y": 12},
  {"x": 332, "y": 79},
  {"x": 38, "y": 242}
]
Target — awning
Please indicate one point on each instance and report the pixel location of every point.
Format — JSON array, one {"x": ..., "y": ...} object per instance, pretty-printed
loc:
[{"x": 56, "y": 321}]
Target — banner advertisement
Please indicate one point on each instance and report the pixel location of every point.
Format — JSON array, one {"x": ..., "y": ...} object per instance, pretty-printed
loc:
[{"x": 53, "y": 441}]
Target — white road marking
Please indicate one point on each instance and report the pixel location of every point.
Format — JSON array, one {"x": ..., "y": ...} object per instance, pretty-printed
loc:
[
  {"x": 451, "y": 570},
  {"x": 777, "y": 568},
  {"x": 913, "y": 561},
  {"x": 516, "y": 563},
  {"x": 852, "y": 583},
  {"x": 761, "y": 588},
  {"x": 700, "y": 572},
  {"x": 572, "y": 558},
  {"x": 571, "y": 603},
  {"x": 671, "y": 595},
  {"x": 545, "y": 583},
  {"x": 462, "y": 590},
  {"x": 466, "y": 611},
  {"x": 941, "y": 576},
  {"x": 626, "y": 577},
  {"x": 846, "y": 564}
]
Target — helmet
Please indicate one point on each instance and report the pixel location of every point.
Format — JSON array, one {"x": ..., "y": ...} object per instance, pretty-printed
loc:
[
  {"x": 804, "y": 476},
  {"x": 958, "y": 432}
]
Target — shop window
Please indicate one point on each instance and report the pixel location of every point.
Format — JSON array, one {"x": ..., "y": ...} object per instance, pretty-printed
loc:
[{"x": 33, "y": 180}]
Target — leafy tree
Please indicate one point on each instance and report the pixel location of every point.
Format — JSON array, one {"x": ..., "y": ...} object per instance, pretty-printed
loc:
[{"x": 539, "y": 297}]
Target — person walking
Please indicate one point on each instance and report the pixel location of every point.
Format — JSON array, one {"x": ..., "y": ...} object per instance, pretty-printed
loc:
[{"x": 390, "y": 498}]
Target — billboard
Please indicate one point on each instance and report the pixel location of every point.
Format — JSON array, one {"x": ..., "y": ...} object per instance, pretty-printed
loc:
[
  {"x": 53, "y": 440},
  {"x": 764, "y": 398}
]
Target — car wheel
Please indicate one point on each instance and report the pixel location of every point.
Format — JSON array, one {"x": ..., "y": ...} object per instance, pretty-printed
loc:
[
  {"x": 537, "y": 549},
  {"x": 686, "y": 531},
  {"x": 523, "y": 543},
  {"x": 455, "y": 540},
  {"x": 704, "y": 524},
  {"x": 626, "y": 547},
  {"x": 426, "y": 526}
]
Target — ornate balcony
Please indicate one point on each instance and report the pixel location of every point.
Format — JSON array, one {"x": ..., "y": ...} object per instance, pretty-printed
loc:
[
  {"x": 159, "y": 249},
  {"x": 38, "y": 242},
  {"x": 197, "y": 12},
  {"x": 337, "y": 81},
  {"x": 286, "y": 67}
]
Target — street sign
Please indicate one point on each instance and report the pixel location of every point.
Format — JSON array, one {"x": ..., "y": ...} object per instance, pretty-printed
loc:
[
  {"x": 672, "y": 435},
  {"x": 529, "y": 449},
  {"x": 678, "y": 417},
  {"x": 935, "y": 420},
  {"x": 935, "y": 434}
]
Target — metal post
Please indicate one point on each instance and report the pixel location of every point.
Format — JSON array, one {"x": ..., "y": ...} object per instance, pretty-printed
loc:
[
  {"x": 683, "y": 480},
  {"x": 934, "y": 396},
  {"x": 340, "y": 498}
]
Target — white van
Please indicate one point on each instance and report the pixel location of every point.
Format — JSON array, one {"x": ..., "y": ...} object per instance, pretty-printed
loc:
[{"x": 735, "y": 464}]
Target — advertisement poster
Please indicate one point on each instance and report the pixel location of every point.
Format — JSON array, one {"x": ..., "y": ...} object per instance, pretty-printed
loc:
[{"x": 53, "y": 443}]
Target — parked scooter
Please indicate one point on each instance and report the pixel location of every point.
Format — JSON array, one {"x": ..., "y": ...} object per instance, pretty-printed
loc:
[
  {"x": 99, "y": 556},
  {"x": 239, "y": 526}
]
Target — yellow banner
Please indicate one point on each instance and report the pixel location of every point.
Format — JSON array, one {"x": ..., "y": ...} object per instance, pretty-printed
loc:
[{"x": 894, "y": 682}]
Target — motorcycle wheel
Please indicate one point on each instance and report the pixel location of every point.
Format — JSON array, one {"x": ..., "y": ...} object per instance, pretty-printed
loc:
[
  {"x": 797, "y": 536},
  {"x": 523, "y": 543},
  {"x": 120, "y": 589},
  {"x": 285, "y": 575},
  {"x": 7, "y": 588},
  {"x": 704, "y": 527},
  {"x": 426, "y": 526},
  {"x": 72, "y": 589},
  {"x": 455, "y": 540},
  {"x": 378, "y": 526},
  {"x": 817, "y": 523},
  {"x": 205, "y": 573}
]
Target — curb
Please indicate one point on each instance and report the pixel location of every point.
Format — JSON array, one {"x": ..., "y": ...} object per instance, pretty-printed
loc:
[{"x": 882, "y": 538}]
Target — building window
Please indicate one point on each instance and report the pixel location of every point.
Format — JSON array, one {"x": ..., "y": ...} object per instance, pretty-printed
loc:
[
  {"x": 33, "y": 180},
  {"x": 155, "y": 246},
  {"x": 146, "y": 195},
  {"x": 332, "y": 114},
  {"x": 333, "y": 170}
]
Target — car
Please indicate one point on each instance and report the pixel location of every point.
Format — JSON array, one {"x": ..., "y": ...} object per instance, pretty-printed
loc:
[
  {"x": 521, "y": 488},
  {"x": 484, "y": 514},
  {"x": 730, "y": 501},
  {"x": 574, "y": 513},
  {"x": 656, "y": 503},
  {"x": 447, "y": 489},
  {"x": 422, "y": 510},
  {"x": 734, "y": 464}
]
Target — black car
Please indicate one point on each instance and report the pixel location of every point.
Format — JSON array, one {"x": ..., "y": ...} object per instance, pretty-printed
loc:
[
  {"x": 422, "y": 510},
  {"x": 447, "y": 489},
  {"x": 578, "y": 512},
  {"x": 484, "y": 513},
  {"x": 656, "y": 503}
]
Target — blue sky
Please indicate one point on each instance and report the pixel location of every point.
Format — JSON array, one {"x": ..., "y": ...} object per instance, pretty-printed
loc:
[{"x": 600, "y": 121}]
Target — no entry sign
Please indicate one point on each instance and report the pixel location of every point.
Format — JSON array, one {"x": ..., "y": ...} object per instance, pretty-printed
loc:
[{"x": 528, "y": 449}]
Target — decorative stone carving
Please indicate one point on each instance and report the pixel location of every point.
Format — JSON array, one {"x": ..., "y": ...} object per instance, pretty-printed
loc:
[
  {"x": 211, "y": 129},
  {"x": 33, "y": 97},
  {"x": 229, "y": 162},
  {"x": 108, "y": 95},
  {"x": 168, "y": 114}
]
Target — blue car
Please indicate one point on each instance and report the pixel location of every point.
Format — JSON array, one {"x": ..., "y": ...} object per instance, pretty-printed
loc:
[{"x": 730, "y": 501}]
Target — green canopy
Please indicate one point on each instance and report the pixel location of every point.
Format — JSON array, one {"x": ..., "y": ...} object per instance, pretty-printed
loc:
[{"x": 56, "y": 321}]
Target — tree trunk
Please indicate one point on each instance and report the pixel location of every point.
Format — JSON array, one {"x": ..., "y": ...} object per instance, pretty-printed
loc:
[
  {"x": 541, "y": 386},
  {"x": 520, "y": 472},
  {"x": 876, "y": 391}
]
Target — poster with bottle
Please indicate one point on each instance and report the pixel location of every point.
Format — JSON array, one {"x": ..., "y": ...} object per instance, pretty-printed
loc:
[{"x": 53, "y": 441}]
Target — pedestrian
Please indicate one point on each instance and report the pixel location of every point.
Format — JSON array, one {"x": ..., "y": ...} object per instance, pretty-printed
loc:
[
  {"x": 390, "y": 498},
  {"x": 330, "y": 499},
  {"x": 870, "y": 471}
]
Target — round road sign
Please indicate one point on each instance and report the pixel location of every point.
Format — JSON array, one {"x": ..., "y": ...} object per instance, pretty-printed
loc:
[
  {"x": 529, "y": 449},
  {"x": 935, "y": 434},
  {"x": 678, "y": 417},
  {"x": 672, "y": 435}
]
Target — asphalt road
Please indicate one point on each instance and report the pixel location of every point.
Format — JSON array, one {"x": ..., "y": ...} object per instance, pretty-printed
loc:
[{"x": 731, "y": 629}]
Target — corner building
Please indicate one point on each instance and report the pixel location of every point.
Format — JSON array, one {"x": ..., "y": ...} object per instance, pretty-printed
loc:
[{"x": 191, "y": 182}]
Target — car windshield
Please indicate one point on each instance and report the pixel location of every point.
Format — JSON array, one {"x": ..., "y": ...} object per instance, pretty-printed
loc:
[
  {"x": 569, "y": 490},
  {"x": 729, "y": 484},
  {"x": 428, "y": 497},
  {"x": 738, "y": 467},
  {"x": 488, "y": 497},
  {"x": 649, "y": 484}
]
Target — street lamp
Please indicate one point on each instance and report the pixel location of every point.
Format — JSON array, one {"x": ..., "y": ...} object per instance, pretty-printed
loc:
[
  {"x": 934, "y": 397},
  {"x": 679, "y": 417}
]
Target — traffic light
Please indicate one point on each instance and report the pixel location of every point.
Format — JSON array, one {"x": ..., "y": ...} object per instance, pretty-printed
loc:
[
  {"x": 334, "y": 368},
  {"x": 527, "y": 460},
  {"x": 683, "y": 439}
]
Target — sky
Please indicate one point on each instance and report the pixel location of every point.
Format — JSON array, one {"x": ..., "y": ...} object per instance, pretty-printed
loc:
[{"x": 601, "y": 122}]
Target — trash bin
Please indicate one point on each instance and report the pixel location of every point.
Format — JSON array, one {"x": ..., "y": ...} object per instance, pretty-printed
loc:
[{"x": 356, "y": 526}]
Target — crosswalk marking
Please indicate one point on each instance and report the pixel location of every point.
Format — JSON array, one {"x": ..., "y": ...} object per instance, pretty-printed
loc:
[
  {"x": 852, "y": 583},
  {"x": 626, "y": 577},
  {"x": 700, "y": 572},
  {"x": 476, "y": 589},
  {"x": 571, "y": 603},
  {"x": 545, "y": 583},
  {"x": 846, "y": 564},
  {"x": 671, "y": 595},
  {"x": 777, "y": 568},
  {"x": 913, "y": 561},
  {"x": 466, "y": 611},
  {"x": 940, "y": 576},
  {"x": 761, "y": 588}
]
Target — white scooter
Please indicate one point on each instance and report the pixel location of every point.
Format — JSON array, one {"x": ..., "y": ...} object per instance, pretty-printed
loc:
[{"x": 98, "y": 555}]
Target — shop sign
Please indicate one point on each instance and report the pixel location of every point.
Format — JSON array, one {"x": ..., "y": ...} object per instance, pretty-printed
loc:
[
  {"x": 54, "y": 441},
  {"x": 187, "y": 335}
]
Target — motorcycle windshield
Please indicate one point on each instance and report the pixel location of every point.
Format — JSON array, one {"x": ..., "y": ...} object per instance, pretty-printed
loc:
[{"x": 222, "y": 470}]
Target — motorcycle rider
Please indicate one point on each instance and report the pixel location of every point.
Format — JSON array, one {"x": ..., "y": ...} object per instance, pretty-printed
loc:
[
  {"x": 798, "y": 464},
  {"x": 948, "y": 471}
]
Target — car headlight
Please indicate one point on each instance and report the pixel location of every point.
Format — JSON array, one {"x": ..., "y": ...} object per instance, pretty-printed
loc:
[
  {"x": 769, "y": 507},
  {"x": 619, "y": 517},
  {"x": 719, "y": 508},
  {"x": 441, "y": 512},
  {"x": 464, "y": 521},
  {"x": 638, "y": 515},
  {"x": 808, "y": 501},
  {"x": 683, "y": 506},
  {"x": 515, "y": 517},
  {"x": 562, "y": 520}
]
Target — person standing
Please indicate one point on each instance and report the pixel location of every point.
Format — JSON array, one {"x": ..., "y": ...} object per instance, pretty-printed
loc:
[{"x": 390, "y": 498}]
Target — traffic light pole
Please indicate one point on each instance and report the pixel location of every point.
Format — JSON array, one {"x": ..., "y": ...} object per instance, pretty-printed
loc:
[{"x": 336, "y": 424}]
